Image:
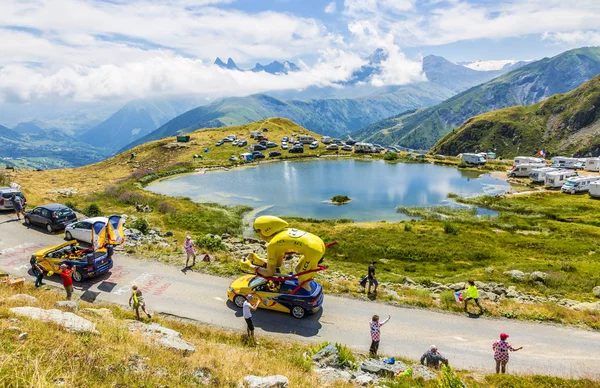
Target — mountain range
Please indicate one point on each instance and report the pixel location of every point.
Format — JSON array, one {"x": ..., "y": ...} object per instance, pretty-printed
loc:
[
  {"x": 421, "y": 128},
  {"x": 562, "y": 124},
  {"x": 274, "y": 67}
]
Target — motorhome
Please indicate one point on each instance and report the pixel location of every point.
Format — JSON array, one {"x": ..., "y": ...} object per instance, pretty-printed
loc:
[
  {"x": 578, "y": 184},
  {"x": 363, "y": 148},
  {"x": 305, "y": 139},
  {"x": 473, "y": 159},
  {"x": 592, "y": 164},
  {"x": 538, "y": 175},
  {"x": 527, "y": 160},
  {"x": 595, "y": 189},
  {"x": 491, "y": 155},
  {"x": 524, "y": 170},
  {"x": 558, "y": 178},
  {"x": 563, "y": 162},
  {"x": 325, "y": 140}
]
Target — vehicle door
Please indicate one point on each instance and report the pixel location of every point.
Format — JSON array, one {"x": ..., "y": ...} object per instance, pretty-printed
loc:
[
  {"x": 83, "y": 231},
  {"x": 36, "y": 215},
  {"x": 45, "y": 217}
]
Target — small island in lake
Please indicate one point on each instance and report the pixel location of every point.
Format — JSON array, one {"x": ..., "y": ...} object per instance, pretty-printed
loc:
[{"x": 340, "y": 199}]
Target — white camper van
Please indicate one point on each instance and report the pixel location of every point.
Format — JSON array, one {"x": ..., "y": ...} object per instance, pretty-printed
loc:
[
  {"x": 578, "y": 184},
  {"x": 364, "y": 148},
  {"x": 592, "y": 164},
  {"x": 538, "y": 175},
  {"x": 305, "y": 139},
  {"x": 595, "y": 189},
  {"x": 473, "y": 159},
  {"x": 326, "y": 140},
  {"x": 527, "y": 160},
  {"x": 558, "y": 178},
  {"x": 563, "y": 162},
  {"x": 524, "y": 170}
]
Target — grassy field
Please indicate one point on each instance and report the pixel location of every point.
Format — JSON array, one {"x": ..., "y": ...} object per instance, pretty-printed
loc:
[{"x": 50, "y": 356}]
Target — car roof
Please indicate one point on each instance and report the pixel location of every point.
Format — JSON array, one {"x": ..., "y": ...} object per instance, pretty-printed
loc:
[
  {"x": 9, "y": 190},
  {"x": 95, "y": 219},
  {"x": 54, "y": 206}
]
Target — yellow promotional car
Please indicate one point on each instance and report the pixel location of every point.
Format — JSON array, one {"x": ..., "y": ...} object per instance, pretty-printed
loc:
[
  {"x": 284, "y": 296},
  {"x": 86, "y": 262}
]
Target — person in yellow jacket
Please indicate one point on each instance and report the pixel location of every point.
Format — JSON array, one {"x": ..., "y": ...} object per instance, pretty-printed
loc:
[
  {"x": 282, "y": 240},
  {"x": 472, "y": 294}
]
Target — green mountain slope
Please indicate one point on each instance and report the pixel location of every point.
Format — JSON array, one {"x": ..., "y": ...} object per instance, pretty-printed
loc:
[
  {"x": 329, "y": 116},
  {"x": 562, "y": 124},
  {"x": 526, "y": 85}
]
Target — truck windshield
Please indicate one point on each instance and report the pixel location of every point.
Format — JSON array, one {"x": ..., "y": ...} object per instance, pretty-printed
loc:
[{"x": 570, "y": 184}]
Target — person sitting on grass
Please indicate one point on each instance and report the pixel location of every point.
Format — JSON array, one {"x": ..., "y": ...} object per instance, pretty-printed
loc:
[
  {"x": 138, "y": 301},
  {"x": 433, "y": 358},
  {"x": 472, "y": 294}
]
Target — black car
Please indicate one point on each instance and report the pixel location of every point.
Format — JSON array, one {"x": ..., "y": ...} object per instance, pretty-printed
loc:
[
  {"x": 350, "y": 142},
  {"x": 296, "y": 150},
  {"x": 274, "y": 153},
  {"x": 258, "y": 155},
  {"x": 53, "y": 216},
  {"x": 258, "y": 147}
]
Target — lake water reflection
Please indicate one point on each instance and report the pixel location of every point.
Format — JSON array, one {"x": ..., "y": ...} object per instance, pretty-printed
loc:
[{"x": 302, "y": 188}]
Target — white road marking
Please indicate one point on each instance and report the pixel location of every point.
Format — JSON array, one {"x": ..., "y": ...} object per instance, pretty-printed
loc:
[
  {"x": 220, "y": 299},
  {"x": 460, "y": 339}
]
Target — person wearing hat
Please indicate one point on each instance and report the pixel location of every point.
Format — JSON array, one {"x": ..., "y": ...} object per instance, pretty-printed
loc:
[
  {"x": 188, "y": 245},
  {"x": 501, "y": 349},
  {"x": 247, "y": 309},
  {"x": 433, "y": 358},
  {"x": 66, "y": 274},
  {"x": 281, "y": 241}
]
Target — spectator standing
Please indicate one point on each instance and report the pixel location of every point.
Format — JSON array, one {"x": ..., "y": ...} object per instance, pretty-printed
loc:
[
  {"x": 433, "y": 358},
  {"x": 18, "y": 205},
  {"x": 376, "y": 334},
  {"x": 247, "y": 309},
  {"x": 38, "y": 272},
  {"x": 189, "y": 251},
  {"x": 66, "y": 274},
  {"x": 371, "y": 278},
  {"x": 472, "y": 294},
  {"x": 138, "y": 301},
  {"x": 501, "y": 349}
]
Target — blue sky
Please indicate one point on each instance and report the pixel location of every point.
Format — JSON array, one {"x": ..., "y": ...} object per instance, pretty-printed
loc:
[{"x": 91, "y": 50}]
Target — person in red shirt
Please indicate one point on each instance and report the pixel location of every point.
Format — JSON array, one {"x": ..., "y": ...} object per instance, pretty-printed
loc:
[{"x": 67, "y": 279}]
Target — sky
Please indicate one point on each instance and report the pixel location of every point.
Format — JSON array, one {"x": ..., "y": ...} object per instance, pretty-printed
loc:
[{"x": 108, "y": 50}]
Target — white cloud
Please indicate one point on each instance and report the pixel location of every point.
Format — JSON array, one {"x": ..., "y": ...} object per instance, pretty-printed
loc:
[
  {"x": 574, "y": 38},
  {"x": 489, "y": 65},
  {"x": 330, "y": 8},
  {"x": 362, "y": 7}
]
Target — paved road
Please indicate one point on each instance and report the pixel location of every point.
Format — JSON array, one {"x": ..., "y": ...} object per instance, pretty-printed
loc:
[{"x": 466, "y": 342}]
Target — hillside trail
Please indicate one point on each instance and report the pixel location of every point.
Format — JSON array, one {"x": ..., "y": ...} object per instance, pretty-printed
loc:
[{"x": 548, "y": 349}]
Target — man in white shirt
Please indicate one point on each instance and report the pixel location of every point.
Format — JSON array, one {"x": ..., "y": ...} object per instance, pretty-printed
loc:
[{"x": 247, "y": 312}]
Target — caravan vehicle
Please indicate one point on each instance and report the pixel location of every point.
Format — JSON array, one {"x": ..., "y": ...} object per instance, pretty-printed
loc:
[
  {"x": 527, "y": 159},
  {"x": 564, "y": 162},
  {"x": 578, "y": 184},
  {"x": 473, "y": 159},
  {"x": 558, "y": 178},
  {"x": 305, "y": 139},
  {"x": 325, "y": 140},
  {"x": 538, "y": 175},
  {"x": 524, "y": 170},
  {"x": 595, "y": 189},
  {"x": 363, "y": 148},
  {"x": 592, "y": 164},
  {"x": 491, "y": 155}
]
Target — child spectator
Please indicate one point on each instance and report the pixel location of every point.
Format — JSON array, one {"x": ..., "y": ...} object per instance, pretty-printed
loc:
[
  {"x": 376, "y": 334},
  {"x": 501, "y": 349}
]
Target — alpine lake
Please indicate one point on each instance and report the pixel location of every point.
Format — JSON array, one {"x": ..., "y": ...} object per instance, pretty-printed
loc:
[{"x": 304, "y": 188}]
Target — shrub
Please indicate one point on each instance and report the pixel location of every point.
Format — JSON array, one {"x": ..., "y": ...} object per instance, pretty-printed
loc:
[
  {"x": 448, "y": 379},
  {"x": 449, "y": 228},
  {"x": 407, "y": 227},
  {"x": 4, "y": 181},
  {"x": 340, "y": 199},
  {"x": 390, "y": 156},
  {"x": 568, "y": 267},
  {"x": 132, "y": 198},
  {"x": 447, "y": 299},
  {"x": 142, "y": 225},
  {"x": 92, "y": 210},
  {"x": 164, "y": 208},
  {"x": 210, "y": 243},
  {"x": 71, "y": 205}
]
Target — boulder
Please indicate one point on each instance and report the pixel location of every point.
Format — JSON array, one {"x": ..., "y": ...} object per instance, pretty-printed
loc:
[
  {"x": 539, "y": 276},
  {"x": 378, "y": 367},
  {"x": 516, "y": 274},
  {"x": 424, "y": 372},
  {"x": 98, "y": 313},
  {"x": 364, "y": 380},
  {"x": 14, "y": 329},
  {"x": 276, "y": 381},
  {"x": 594, "y": 306},
  {"x": 457, "y": 286},
  {"x": 67, "y": 320},
  {"x": 328, "y": 356},
  {"x": 68, "y": 305},
  {"x": 332, "y": 375},
  {"x": 158, "y": 335},
  {"x": 22, "y": 336},
  {"x": 596, "y": 291},
  {"x": 408, "y": 281},
  {"x": 23, "y": 298}
]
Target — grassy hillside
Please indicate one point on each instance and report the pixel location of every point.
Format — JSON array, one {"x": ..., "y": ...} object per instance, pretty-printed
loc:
[
  {"x": 328, "y": 116},
  {"x": 529, "y": 84},
  {"x": 561, "y": 124}
]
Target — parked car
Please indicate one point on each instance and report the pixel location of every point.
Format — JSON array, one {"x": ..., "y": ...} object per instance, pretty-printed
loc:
[
  {"x": 233, "y": 158},
  {"x": 332, "y": 147},
  {"x": 219, "y": 143},
  {"x": 257, "y": 147},
  {"x": 313, "y": 145},
  {"x": 285, "y": 139},
  {"x": 6, "y": 198},
  {"x": 258, "y": 155},
  {"x": 579, "y": 166},
  {"x": 284, "y": 296},
  {"x": 263, "y": 143},
  {"x": 347, "y": 147},
  {"x": 242, "y": 143},
  {"x": 284, "y": 146},
  {"x": 86, "y": 263},
  {"x": 296, "y": 150},
  {"x": 261, "y": 138},
  {"x": 273, "y": 154},
  {"x": 235, "y": 143},
  {"x": 82, "y": 230},
  {"x": 271, "y": 145},
  {"x": 350, "y": 142},
  {"x": 53, "y": 216},
  {"x": 227, "y": 139}
]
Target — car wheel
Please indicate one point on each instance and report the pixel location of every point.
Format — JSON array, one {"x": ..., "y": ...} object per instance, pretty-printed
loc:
[
  {"x": 27, "y": 222},
  {"x": 77, "y": 276},
  {"x": 49, "y": 228},
  {"x": 239, "y": 300},
  {"x": 68, "y": 236},
  {"x": 298, "y": 312}
]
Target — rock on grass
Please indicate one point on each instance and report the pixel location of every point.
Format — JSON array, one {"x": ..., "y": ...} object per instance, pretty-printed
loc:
[{"x": 67, "y": 320}]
